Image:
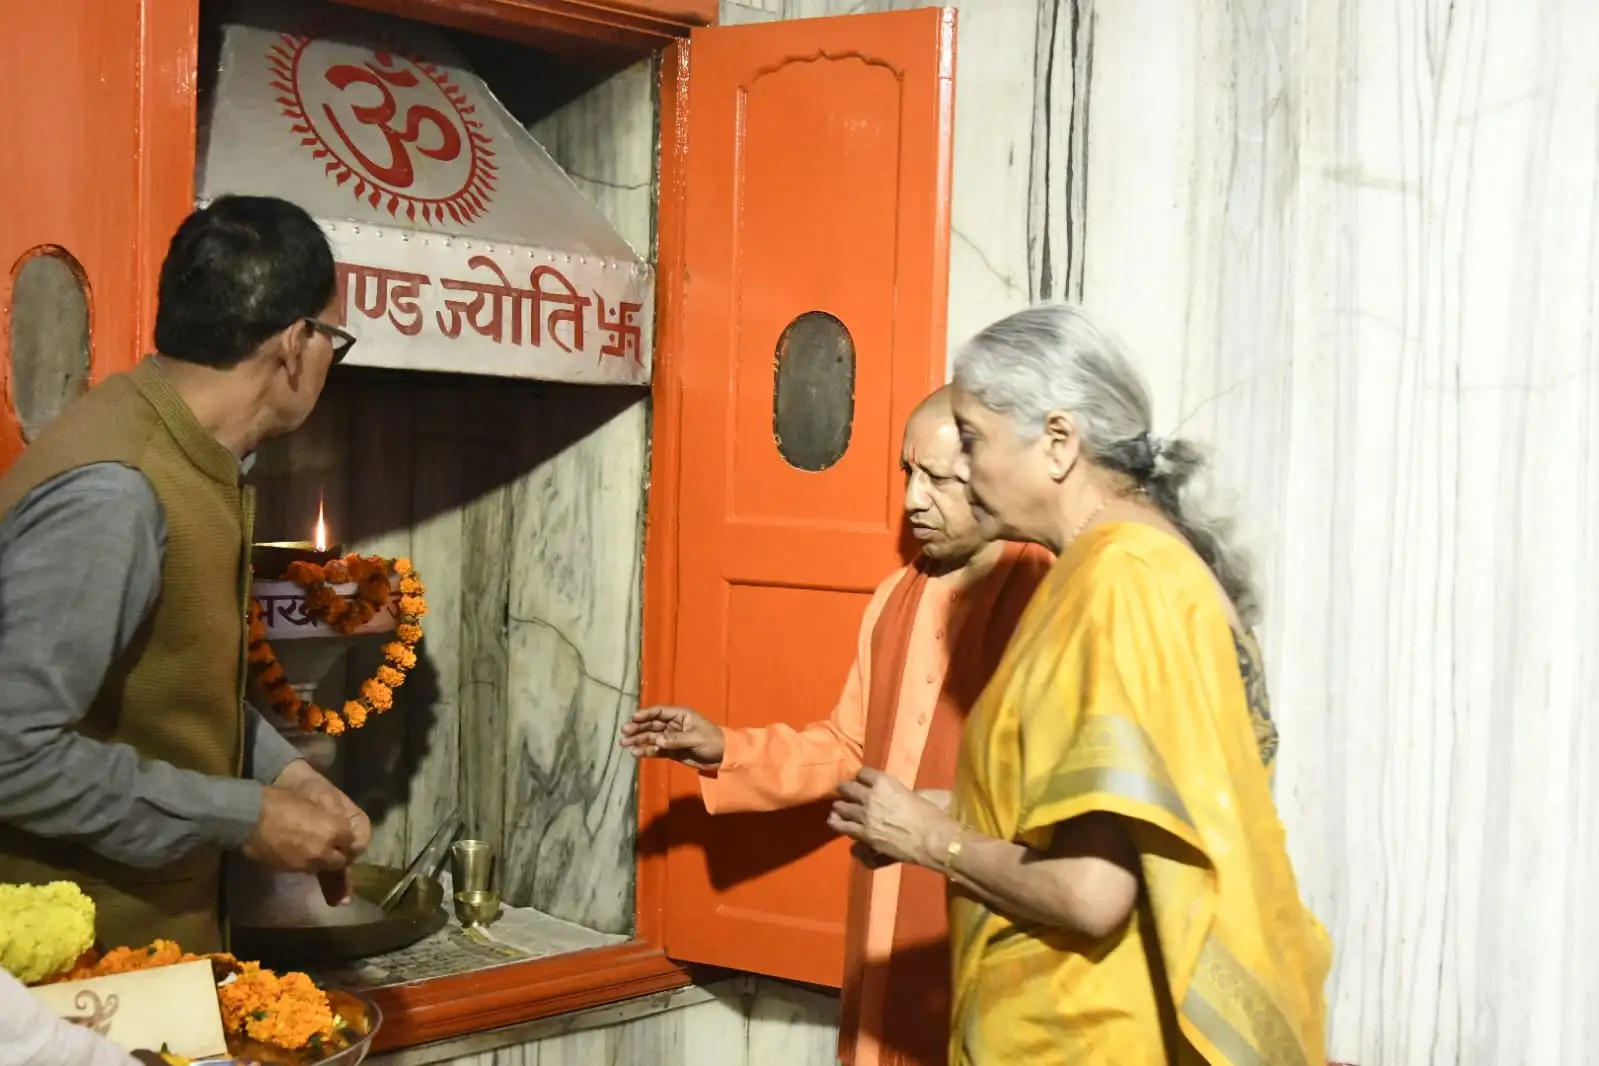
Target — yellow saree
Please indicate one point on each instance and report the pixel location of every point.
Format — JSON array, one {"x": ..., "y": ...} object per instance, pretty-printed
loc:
[{"x": 1121, "y": 691}]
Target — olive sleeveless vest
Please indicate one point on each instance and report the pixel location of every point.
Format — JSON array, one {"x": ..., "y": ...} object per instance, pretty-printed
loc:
[{"x": 176, "y": 692}]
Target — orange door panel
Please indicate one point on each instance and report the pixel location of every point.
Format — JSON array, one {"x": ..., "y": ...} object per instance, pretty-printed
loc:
[
  {"x": 97, "y": 136},
  {"x": 817, "y": 180}
]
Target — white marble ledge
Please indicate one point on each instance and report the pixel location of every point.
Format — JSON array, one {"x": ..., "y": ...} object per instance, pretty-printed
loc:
[
  {"x": 601, "y": 1017},
  {"x": 519, "y": 935}
]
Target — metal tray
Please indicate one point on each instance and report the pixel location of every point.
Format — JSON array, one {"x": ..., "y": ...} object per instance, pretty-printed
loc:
[{"x": 418, "y": 914}]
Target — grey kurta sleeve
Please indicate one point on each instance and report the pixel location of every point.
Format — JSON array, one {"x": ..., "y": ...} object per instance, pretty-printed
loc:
[
  {"x": 80, "y": 568},
  {"x": 268, "y": 752}
]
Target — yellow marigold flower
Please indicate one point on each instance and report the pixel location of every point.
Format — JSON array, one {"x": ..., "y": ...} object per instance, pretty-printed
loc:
[
  {"x": 408, "y": 632},
  {"x": 402, "y": 566},
  {"x": 410, "y": 586},
  {"x": 46, "y": 929},
  {"x": 390, "y": 676},
  {"x": 414, "y": 606},
  {"x": 332, "y": 724},
  {"x": 355, "y": 713},
  {"x": 379, "y": 695}
]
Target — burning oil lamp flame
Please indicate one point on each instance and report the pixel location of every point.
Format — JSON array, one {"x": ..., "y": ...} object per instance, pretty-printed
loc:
[{"x": 320, "y": 538}]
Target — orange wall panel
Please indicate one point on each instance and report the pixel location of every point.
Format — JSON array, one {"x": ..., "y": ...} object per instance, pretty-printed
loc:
[{"x": 97, "y": 129}]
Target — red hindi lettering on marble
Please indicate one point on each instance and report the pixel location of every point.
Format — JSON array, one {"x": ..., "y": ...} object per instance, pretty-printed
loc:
[
  {"x": 371, "y": 294},
  {"x": 568, "y": 296},
  {"x": 471, "y": 310}
]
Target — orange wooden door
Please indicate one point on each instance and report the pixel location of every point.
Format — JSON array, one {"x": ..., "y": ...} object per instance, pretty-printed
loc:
[
  {"x": 816, "y": 180},
  {"x": 96, "y": 161}
]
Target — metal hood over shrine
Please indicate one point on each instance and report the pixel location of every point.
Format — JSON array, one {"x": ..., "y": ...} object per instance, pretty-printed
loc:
[{"x": 461, "y": 245}]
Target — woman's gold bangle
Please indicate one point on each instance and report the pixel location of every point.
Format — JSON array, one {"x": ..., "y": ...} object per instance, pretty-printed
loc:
[{"x": 951, "y": 853}]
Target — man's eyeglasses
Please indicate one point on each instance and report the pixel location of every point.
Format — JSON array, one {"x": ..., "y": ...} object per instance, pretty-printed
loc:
[{"x": 342, "y": 340}]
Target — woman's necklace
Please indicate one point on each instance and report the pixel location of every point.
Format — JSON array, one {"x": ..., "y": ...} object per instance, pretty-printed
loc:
[{"x": 1091, "y": 515}]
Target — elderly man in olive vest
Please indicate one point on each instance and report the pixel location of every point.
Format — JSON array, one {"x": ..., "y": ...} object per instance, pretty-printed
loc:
[{"x": 129, "y": 761}]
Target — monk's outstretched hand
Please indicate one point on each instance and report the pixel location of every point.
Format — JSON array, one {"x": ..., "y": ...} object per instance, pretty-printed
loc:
[
  {"x": 882, "y": 815},
  {"x": 676, "y": 733}
]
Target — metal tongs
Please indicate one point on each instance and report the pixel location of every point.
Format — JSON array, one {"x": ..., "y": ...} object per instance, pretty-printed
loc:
[{"x": 425, "y": 863}]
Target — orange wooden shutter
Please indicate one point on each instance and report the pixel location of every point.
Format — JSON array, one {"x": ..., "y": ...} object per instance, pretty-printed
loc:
[
  {"x": 816, "y": 179},
  {"x": 97, "y": 134}
]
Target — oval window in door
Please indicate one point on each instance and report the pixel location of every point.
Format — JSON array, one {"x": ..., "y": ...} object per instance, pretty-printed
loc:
[
  {"x": 813, "y": 400},
  {"x": 49, "y": 337}
]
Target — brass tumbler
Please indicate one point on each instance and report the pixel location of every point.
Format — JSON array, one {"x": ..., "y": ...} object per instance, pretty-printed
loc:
[{"x": 472, "y": 865}]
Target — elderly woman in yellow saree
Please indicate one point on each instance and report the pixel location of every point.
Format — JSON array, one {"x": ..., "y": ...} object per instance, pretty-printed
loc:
[{"x": 1120, "y": 892}]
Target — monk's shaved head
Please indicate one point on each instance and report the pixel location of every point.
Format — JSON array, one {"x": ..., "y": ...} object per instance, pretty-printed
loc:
[
  {"x": 930, "y": 430},
  {"x": 936, "y": 408},
  {"x": 935, "y": 498}
]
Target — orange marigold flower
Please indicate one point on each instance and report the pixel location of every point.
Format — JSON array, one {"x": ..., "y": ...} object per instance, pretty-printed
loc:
[
  {"x": 374, "y": 589},
  {"x": 402, "y": 566},
  {"x": 312, "y": 716},
  {"x": 332, "y": 724},
  {"x": 304, "y": 573},
  {"x": 320, "y": 598},
  {"x": 336, "y": 572},
  {"x": 271, "y": 673},
  {"x": 409, "y": 633},
  {"x": 415, "y": 606},
  {"x": 399, "y": 655},
  {"x": 355, "y": 713},
  {"x": 260, "y": 654},
  {"x": 391, "y": 677},
  {"x": 379, "y": 695},
  {"x": 257, "y": 627},
  {"x": 410, "y": 586}
]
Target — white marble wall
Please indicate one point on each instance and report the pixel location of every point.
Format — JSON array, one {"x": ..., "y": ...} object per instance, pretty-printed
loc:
[{"x": 1355, "y": 243}]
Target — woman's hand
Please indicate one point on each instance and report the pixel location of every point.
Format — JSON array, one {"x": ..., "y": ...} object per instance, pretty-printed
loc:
[{"x": 880, "y": 813}]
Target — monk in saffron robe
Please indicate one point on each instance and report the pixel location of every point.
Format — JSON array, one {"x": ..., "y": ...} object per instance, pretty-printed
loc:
[
  {"x": 1120, "y": 894},
  {"x": 930, "y": 637}
]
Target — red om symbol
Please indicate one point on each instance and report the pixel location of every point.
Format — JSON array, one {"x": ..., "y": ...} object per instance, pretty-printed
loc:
[{"x": 398, "y": 173}]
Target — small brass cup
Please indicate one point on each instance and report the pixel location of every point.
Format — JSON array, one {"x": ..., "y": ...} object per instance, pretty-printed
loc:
[
  {"x": 477, "y": 908},
  {"x": 472, "y": 865}
]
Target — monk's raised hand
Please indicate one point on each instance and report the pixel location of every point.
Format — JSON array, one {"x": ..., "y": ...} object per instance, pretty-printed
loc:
[{"x": 676, "y": 733}]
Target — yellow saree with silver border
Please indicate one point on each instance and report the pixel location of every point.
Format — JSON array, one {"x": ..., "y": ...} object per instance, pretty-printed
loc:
[{"x": 1121, "y": 691}]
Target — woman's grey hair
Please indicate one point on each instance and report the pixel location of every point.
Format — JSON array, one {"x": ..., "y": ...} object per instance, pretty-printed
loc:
[{"x": 1053, "y": 357}]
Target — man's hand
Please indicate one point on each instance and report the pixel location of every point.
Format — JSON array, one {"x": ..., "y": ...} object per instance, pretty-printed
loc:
[
  {"x": 349, "y": 831},
  {"x": 296, "y": 834},
  {"x": 299, "y": 776},
  {"x": 674, "y": 733}
]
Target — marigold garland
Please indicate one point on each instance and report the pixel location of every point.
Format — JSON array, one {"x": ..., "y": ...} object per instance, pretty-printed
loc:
[{"x": 324, "y": 604}]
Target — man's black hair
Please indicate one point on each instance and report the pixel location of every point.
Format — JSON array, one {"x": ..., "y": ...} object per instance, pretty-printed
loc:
[{"x": 238, "y": 271}]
